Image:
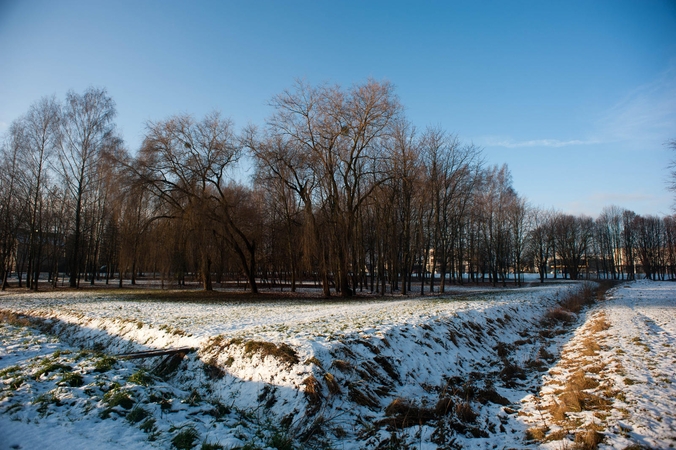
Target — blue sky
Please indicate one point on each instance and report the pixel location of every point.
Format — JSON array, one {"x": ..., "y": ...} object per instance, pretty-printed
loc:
[{"x": 577, "y": 97}]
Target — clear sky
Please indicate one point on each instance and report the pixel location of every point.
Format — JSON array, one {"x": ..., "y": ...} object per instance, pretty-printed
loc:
[{"x": 577, "y": 97}]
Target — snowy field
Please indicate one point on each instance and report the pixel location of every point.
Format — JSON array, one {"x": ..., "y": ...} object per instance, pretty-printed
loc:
[
  {"x": 616, "y": 380},
  {"x": 475, "y": 371}
]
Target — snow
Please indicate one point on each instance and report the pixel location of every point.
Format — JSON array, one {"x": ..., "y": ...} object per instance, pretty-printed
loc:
[
  {"x": 635, "y": 367},
  {"x": 481, "y": 350}
]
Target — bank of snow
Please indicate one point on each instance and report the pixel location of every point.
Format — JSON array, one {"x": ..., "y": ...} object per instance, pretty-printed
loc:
[{"x": 434, "y": 372}]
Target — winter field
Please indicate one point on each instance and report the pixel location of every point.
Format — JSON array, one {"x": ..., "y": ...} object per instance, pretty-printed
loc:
[{"x": 515, "y": 368}]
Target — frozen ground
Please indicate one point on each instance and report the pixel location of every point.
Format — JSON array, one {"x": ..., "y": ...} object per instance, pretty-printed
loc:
[
  {"x": 616, "y": 380},
  {"x": 426, "y": 373}
]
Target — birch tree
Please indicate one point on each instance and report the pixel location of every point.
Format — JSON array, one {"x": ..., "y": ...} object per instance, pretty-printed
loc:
[{"x": 87, "y": 128}]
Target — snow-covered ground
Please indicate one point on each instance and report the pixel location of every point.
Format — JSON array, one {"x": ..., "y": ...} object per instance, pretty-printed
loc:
[
  {"x": 431, "y": 373},
  {"x": 616, "y": 380}
]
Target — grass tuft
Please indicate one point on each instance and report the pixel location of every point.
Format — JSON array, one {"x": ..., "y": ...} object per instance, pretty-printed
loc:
[
  {"x": 141, "y": 377},
  {"x": 402, "y": 413},
  {"x": 282, "y": 352},
  {"x": 72, "y": 379},
  {"x": 332, "y": 383},
  {"x": 536, "y": 433},
  {"x": 118, "y": 397},
  {"x": 148, "y": 425},
  {"x": 104, "y": 364},
  {"x": 362, "y": 398},
  {"x": 313, "y": 393},
  {"x": 465, "y": 413},
  {"x": 185, "y": 439},
  {"x": 589, "y": 438},
  {"x": 343, "y": 366},
  {"x": 12, "y": 318},
  {"x": 47, "y": 367},
  {"x": 314, "y": 361},
  {"x": 137, "y": 414}
]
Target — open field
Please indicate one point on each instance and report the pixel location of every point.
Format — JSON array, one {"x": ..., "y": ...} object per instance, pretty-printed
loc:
[{"x": 479, "y": 370}]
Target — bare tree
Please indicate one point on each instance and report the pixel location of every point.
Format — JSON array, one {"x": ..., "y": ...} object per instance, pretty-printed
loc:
[
  {"x": 330, "y": 140},
  {"x": 494, "y": 202},
  {"x": 37, "y": 134},
  {"x": 539, "y": 242},
  {"x": 650, "y": 245},
  {"x": 86, "y": 128},
  {"x": 629, "y": 243},
  {"x": 670, "y": 245},
  {"x": 518, "y": 216},
  {"x": 573, "y": 237},
  {"x": 13, "y": 211},
  {"x": 185, "y": 164},
  {"x": 608, "y": 238},
  {"x": 406, "y": 179}
]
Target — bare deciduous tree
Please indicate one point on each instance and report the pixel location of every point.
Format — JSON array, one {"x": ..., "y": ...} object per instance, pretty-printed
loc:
[
  {"x": 334, "y": 137},
  {"x": 13, "y": 211},
  {"x": 87, "y": 128},
  {"x": 37, "y": 133},
  {"x": 185, "y": 165},
  {"x": 573, "y": 237}
]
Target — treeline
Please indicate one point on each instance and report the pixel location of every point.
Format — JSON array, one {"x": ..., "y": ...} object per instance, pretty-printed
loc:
[{"x": 346, "y": 193}]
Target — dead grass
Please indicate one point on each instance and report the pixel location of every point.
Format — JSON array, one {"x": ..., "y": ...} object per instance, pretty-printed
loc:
[
  {"x": 577, "y": 398},
  {"x": 581, "y": 381},
  {"x": 314, "y": 361},
  {"x": 536, "y": 433},
  {"x": 557, "y": 410},
  {"x": 576, "y": 301},
  {"x": 582, "y": 390},
  {"x": 402, "y": 413},
  {"x": 313, "y": 394},
  {"x": 556, "y": 435},
  {"x": 570, "y": 306},
  {"x": 12, "y": 318},
  {"x": 600, "y": 324},
  {"x": 559, "y": 315},
  {"x": 596, "y": 368},
  {"x": 343, "y": 366},
  {"x": 219, "y": 344},
  {"x": 465, "y": 413},
  {"x": 590, "y": 346},
  {"x": 361, "y": 398},
  {"x": 282, "y": 352},
  {"x": 334, "y": 387},
  {"x": 589, "y": 438}
]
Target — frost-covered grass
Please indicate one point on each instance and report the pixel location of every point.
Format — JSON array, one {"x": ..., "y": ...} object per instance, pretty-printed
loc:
[{"x": 424, "y": 372}]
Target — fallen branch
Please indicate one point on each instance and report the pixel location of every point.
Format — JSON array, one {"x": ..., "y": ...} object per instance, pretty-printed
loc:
[{"x": 153, "y": 353}]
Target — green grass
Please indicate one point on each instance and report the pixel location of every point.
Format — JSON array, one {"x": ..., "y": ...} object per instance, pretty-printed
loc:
[
  {"x": 185, "y": 439},
  {"x": 43, "y": 401},
  {"x": 118, "y": 398},
  {"x": 141, "y": 377},
  {"x": 72, "y": 379},
  {"x": 210, "y": 446},
  {"x": 137, "y": 414},
  {"x": 5, "y": 373},
  {"x": 104, "y": 364},
  {"x": 48, "y": 367},
  {"x": 148, "y": 425}
]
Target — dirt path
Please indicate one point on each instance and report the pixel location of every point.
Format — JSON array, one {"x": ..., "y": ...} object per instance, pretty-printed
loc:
[{"x": 615, "y": 385}]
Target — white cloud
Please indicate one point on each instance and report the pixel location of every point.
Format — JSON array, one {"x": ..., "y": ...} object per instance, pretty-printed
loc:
[
  {"x": 646, "y": 113},
  {"x": 556, "y": 143}
]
